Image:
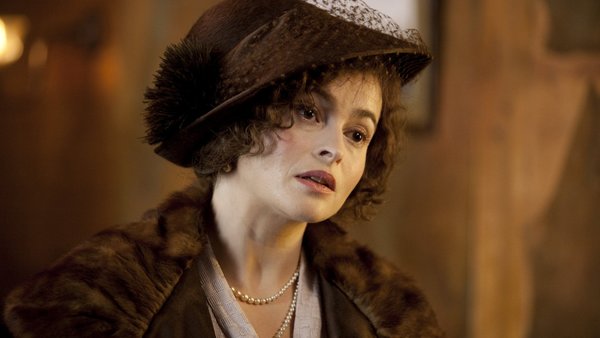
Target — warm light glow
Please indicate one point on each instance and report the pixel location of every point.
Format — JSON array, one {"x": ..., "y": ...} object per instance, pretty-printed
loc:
[
  {"x": 2, "y": 37},
  {"x": 12, "y": 31}
]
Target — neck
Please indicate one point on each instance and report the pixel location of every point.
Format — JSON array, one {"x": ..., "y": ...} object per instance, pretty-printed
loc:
[{"x": 257, "y": 249}]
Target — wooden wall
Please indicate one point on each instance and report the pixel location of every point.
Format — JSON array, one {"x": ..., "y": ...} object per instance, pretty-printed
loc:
[{"x": 494, "y": 211}]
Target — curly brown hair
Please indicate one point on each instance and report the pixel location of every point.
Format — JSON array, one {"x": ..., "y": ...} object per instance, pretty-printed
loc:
[{"x": 269, "y": 110}]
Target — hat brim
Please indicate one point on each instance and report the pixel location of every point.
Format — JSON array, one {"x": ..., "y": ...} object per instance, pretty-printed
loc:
[{"x": 303, "y": 38}]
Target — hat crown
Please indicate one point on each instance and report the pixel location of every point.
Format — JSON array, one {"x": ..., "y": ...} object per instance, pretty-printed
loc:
[
  {"x": 223, "y": 26},
  {"x": 358, "y": 12},
  {"x": 226, "y": 24}
]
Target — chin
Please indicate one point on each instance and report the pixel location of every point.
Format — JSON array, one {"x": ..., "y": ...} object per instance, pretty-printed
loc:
[
  {"x": 315, "y": 219},
  {"x": 316, "y": 216},
  {"x": 309, "y": 210}
]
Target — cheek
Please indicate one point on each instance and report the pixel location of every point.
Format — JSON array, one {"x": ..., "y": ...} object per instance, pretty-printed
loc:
[
  {"x": 359, "y": 172},
  {"x": 290, "y": 144},
  {"x": 355, "y": 173}
]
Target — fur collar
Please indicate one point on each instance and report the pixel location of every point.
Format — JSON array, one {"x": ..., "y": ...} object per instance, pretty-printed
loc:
[{"x": 147, "y": 258}]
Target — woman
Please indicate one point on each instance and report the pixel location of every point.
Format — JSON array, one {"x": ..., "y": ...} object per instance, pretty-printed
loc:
[{"x": 288, "y": 112}]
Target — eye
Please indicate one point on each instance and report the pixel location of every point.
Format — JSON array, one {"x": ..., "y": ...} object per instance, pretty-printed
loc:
[
  {"x": 358, "y": 136},
  {"x": 308, "y": 113}
]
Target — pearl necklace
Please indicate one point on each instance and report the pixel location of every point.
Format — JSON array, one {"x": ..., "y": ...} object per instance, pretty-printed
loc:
[
  {"x": 262, "y": 301},
  {"x": 288, "y": 317}
]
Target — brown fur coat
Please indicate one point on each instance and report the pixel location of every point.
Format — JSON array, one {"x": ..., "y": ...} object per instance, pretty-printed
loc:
[{"x": 135, "y": 280}]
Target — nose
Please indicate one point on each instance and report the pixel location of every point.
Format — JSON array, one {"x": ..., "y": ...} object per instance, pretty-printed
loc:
[{"x": 329, "y": 150}]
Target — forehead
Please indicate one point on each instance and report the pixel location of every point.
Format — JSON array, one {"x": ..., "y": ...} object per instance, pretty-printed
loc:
[{"x": 353, "y": 91}]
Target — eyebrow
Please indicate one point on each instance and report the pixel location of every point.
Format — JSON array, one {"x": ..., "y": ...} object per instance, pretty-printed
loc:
[
  {"x": 360, "y": 113},
  {"x": 363, "y": 113}
]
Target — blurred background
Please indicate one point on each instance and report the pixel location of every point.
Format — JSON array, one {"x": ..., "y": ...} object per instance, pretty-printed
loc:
[{"x": 494, "y": 208}]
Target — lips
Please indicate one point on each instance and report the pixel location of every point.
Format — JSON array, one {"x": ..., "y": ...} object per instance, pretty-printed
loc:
[{"x": 320, "y": 178}]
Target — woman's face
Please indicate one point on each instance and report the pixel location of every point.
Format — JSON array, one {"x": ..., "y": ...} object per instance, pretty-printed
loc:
[{"x": 309, "y": 170}]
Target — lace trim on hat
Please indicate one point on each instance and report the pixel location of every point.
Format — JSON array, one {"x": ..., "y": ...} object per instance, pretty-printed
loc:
[{"x": 358, "y": 12}]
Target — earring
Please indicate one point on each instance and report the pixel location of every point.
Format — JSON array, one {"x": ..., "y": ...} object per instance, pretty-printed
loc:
[{"x": 227, "y": 169}]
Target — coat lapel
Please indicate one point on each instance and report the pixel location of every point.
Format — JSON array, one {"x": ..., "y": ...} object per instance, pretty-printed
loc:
[{"x": 186, "y": 313}]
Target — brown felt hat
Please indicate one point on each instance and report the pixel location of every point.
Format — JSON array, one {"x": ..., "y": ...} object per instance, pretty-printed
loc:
[{"x": 240, "y": 47}]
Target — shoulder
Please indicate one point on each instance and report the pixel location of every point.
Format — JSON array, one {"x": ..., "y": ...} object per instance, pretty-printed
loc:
[
  {"x": 390, "y": 300},
  {"x": 113, "y": 283}
]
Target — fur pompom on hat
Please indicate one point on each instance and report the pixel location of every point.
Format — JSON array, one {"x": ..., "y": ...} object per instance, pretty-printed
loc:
[
  {"x": 185, "y": 85},
  {"x": 240, "y": 47}
]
